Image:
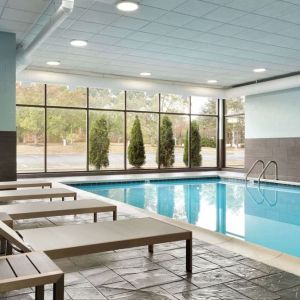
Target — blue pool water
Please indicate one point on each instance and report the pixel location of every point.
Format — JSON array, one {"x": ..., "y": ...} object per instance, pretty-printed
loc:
[{"x": 268, "y": 215}]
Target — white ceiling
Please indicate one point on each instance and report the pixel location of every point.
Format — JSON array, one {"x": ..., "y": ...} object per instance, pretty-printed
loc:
[{"x": 179, "y": 40}]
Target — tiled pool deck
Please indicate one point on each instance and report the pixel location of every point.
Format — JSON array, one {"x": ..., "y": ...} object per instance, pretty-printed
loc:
[{"x": 134, "y": 275}]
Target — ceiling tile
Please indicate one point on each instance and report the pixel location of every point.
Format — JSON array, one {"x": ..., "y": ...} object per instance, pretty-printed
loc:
[
  {"x": 129, "y": 23},
  {"x": 157, "y": 28},
  {"x": 148, "y": 13},
  {"x": 19, "y": 15},
  {"x": 99, "y": 17},
  {"x": 227, "y": 29},
  {"x": 203, "y": 25},
  {"x": 277, "y": 9},
  {"x": 116, "y": 31},
  {"x": 196, "y": 8},
  {"x": 175, "y": 19},
  {"x": 248, "y": 6},
  {"x": 183, "y": 33},
  {"x": 87, "y": 26},
  {"x": 224, "y": 14},
  {"x": 143, "y": 36},
  {"x": 165, "y": 4}
]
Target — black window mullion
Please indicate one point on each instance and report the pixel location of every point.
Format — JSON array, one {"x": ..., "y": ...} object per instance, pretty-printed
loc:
[
  {"x": 125, "y": 132},
  {"x": 45, "y": 131},
  {"x": 87, "y": 130}
]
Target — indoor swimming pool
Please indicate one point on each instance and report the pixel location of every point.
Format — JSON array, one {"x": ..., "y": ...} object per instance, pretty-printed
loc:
[{"x": 268, "y": 215}]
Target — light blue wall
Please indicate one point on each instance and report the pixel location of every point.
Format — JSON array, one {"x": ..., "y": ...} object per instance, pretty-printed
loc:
[
  {"x": 273, "y": 115},
  {"x": 7, "y": 81}
]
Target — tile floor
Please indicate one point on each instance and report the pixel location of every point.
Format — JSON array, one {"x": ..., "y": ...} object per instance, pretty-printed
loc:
[{"x": 136, "y": 275}]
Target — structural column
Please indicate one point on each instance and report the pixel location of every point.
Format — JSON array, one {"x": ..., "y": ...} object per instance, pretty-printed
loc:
[{"x": 7, "y": 106}]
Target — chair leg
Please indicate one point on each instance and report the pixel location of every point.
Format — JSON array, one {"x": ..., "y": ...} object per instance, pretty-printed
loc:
[
  {"x": 3, "y": 245},
  {"x": 115, "y": 215},
  {"x": 95, "y": 217},
  {"x": 8, "y": 248},
  {"x": 39, "y": 292},
  {"x": 58, "y": 289},
  {"x": 189, "y": 255},
  {"x": 150, "y": 248}
]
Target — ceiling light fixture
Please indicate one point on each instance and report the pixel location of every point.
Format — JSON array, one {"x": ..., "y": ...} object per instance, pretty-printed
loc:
[
  {"x": 127, "y": 5},
  {"x": 145, "y": 74},
  {"x": 78, "y": 43},
  {"x": 211, "y": 81},
  {"x": 259, "y": 70},
  {"x": 53, "y": 63}
]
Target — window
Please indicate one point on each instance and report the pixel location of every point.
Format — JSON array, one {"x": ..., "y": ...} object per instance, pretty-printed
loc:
[
  {"x": 106, "y": 99},
  {"x": 66, "y": 139},
  {"x": 31, "y": 94},
  {"x": 61, "y": 129},
  {"x": 143, "y": 101},
  {"x": 234, "y": 132},
  {"x": 59, "y": 95},
  {"x": 205, "y": 121},
  {"x": 171, "y": 103},
  {"x": 30, "y": 139},
  {"x": 149, "y": 126},
  {"x": 115, "y": 133}
]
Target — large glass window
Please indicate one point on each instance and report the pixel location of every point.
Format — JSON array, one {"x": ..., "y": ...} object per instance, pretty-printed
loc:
[
  {"x": 108, "y": 125},
  {"x": 149, "y": 127},
  {"x": 66, "y": 139},
  {"x": 31, "y": 94},
  {"x": 59, "y": 95},
  {"x": 142, "y": 101},
  {"x": 205, "y": 122},
  {"x": 30, "y": 139},
  {"x": 106, "y": 99},
  {"x": 234, "y": 132},
  {"x": 171, "y": 103},
  {"x": 62, "y": 129}
]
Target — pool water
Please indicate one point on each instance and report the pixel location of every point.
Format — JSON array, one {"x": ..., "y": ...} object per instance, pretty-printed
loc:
[{"x": 268, "y": 215}]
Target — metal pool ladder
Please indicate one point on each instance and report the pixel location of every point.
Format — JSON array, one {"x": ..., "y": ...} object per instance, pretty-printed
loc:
[
  {"x": 253, "y": 166},
  {"x": 262, "y": 174}
]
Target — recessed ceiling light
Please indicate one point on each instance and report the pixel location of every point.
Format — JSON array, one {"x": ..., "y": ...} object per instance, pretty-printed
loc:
[
  {"x": 259, "y": 70},
  {"x": 78, "y": 43},
  {"x": 53, "y": 63},
  {"x": 127, "y": 5},
  {"x": 145, "y": 74},
  {"x": 211, "y": 81}
]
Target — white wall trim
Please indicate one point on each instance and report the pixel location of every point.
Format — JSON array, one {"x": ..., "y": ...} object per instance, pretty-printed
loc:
[{"x": 118, "y": 82}]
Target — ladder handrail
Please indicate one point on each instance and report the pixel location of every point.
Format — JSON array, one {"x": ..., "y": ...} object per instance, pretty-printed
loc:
[
  {"x": 266, "y": 167},
  {"x": 253, "y": 166}
]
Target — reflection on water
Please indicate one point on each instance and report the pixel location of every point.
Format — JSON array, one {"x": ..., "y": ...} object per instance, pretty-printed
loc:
[{"x": 268, "y": 215}]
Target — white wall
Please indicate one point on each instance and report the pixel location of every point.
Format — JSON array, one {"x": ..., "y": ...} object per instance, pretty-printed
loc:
[{"x": 273, "y": 115}]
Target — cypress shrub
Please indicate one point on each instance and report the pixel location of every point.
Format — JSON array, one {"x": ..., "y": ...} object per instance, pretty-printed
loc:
[
  {"x": 167, "y": 143},
  {"x": 99, "y": 143},
  {"x": 136, "y": 148}
]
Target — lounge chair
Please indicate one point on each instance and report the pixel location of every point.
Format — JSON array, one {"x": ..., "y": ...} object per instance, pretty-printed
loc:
[
  {"x": 28, "y": 270},
  {"x": 73, "y": 240},
  {"x": 30, "y": 194},
  {"x": 6, "y": 185},
  {"x": 52, "y": 209}
]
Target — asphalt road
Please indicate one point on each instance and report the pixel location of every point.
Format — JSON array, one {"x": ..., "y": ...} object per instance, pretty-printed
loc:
[{"x": 57, "y": 162}]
